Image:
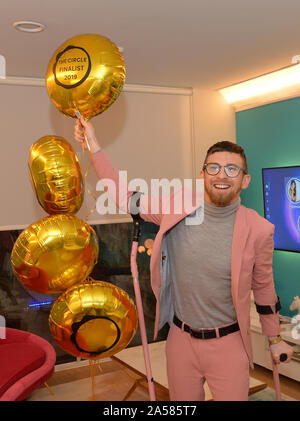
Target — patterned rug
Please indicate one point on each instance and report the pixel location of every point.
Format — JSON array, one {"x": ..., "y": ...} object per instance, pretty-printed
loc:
[{"x": 268, "y": 394}]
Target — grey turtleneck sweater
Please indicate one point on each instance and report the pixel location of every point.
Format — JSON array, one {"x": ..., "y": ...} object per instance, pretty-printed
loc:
[{"x": 200, "y": 267}]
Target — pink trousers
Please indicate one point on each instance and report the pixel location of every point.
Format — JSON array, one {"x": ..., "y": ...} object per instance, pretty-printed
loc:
[{"x": 222, "y": 362}]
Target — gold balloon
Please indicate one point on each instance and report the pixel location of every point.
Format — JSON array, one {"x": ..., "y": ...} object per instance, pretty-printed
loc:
[
  {"x": 86, "y": 73},
  {"x": 93, "y": 319},
  {"x": 56, "y": 175},
  {"x": 54, "y": 253}
]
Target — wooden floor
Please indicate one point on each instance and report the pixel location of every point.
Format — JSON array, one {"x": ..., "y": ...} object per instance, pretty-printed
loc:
[
  {"x": 288, "y": 386},
  {"x": 114, "y": 371}
]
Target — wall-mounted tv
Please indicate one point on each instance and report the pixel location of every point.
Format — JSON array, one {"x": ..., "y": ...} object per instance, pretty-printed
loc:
[{"x": 281, "y": 191}]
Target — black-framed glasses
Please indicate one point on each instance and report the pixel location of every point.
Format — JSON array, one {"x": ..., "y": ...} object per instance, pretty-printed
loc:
[{"x": 231, "y": 170}]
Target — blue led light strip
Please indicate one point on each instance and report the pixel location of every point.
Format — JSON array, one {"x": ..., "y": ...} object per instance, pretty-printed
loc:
[{"x": 40, "y": 304}]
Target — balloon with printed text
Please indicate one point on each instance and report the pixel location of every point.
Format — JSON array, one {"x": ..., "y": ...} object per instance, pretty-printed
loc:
[{"x": 86, "y": 73}]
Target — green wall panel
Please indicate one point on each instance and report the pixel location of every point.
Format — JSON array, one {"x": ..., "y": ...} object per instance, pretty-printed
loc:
[{"x": 270, "y": 136}]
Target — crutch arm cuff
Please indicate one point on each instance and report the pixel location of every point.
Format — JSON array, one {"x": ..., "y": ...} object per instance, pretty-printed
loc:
[{"x": 267, "y": 309}]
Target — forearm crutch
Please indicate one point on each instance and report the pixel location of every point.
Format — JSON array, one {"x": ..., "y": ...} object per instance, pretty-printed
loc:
[
  {"x": 282, "y": 358},
  {"x": 134, "y": 270}
]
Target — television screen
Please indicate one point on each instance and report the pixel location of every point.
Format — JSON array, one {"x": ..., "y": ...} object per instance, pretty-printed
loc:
[{"x": 281, "y": 190}]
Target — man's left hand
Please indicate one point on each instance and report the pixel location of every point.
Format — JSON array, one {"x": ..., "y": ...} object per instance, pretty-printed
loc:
[{"x": 281, "y": 348}]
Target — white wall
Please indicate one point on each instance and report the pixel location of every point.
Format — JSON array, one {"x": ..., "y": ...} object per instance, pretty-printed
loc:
[
  {"x": 147, "y": 132},
  {"x": 214, "y": 121},
  {"x": 150, "y": 132}
]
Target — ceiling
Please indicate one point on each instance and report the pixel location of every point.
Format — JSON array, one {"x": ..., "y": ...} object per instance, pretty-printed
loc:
[{"x": 178, "y": 43}]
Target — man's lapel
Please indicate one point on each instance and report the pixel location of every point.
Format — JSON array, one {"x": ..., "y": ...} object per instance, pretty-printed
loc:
[{"x": 240, "y": 234}]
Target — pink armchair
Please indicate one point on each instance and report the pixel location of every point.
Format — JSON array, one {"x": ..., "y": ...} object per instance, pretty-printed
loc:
[{"x": 26, "y": 362}]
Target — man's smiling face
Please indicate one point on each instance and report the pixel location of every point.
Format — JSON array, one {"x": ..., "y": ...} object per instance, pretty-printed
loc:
[{"x": 221, "y": 190}]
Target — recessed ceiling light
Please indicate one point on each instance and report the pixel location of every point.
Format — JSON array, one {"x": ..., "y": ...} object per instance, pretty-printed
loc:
[{"x": 28, "y": 26}]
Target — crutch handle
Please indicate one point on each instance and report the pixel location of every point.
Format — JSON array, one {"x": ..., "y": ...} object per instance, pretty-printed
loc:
[{"x": 283, "y": 357}]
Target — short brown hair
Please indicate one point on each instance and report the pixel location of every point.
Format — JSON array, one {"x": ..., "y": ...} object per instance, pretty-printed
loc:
[{"x": 226, "y": 146}]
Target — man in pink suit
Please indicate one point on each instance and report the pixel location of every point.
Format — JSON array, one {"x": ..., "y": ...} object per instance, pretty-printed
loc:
[{"x": 202, "y": 276}]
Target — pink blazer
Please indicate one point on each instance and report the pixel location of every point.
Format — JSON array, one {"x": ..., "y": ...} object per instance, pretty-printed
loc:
[{"x": 251, "y": 257}]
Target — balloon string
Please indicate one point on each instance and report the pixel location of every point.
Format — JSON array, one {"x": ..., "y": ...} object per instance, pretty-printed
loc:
[
  {"x": 88, "y": 190},
  {"x": 78, "y": 115},
  {"x": 92, "y": 372}
]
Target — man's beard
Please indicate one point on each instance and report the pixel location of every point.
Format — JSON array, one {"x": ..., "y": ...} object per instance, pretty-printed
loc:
[{"x": 221, "y": 199}]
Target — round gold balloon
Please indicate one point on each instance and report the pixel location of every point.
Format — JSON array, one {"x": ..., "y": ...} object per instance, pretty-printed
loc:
[
  {"x": 93, "y": 319},
  {"x": 86, "y": 73},
  {"x": 54, "y": 253},
  {"x": 56, "y": 175}
]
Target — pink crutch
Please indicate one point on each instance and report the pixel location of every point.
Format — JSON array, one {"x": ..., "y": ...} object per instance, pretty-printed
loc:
[
  {"x": 137, "y": 291},
  {"x": 282, "y": 357}
]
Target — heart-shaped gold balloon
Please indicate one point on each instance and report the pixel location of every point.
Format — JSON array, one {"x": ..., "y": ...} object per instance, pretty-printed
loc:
[
  {"x": 56, "y": 175},
  {"x": 86, "y": 73},
  {"x": 93, "y": 319},
  {"x": 54, "y": 253}
]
